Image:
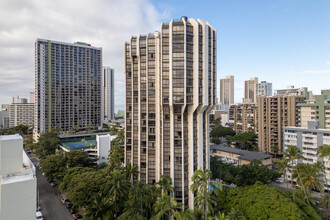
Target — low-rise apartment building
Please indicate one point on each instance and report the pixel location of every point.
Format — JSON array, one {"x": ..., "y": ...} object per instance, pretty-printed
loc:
[
  {"x": 239, "y": 157},
  {"x": 308, "y": 139}
]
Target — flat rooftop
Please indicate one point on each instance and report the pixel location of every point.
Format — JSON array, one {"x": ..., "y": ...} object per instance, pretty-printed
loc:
[
  {"x": 244, "y": 154},
  {"x": 78, "y": 144}
]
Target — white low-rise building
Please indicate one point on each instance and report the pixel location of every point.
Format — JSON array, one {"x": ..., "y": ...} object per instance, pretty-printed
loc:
[
  {"x": 18, "y": 181},
  {"x": 308, "y": 140},
  {"x": 97, "y": 148}
]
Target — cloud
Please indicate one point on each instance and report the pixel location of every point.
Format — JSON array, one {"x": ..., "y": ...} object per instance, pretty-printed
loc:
[
  {"x": 314, "y": 72},
  {"x": 103, "y": 23},
  {"x": 328, "y": 62}
]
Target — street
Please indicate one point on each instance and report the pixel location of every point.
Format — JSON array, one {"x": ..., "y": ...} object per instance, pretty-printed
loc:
[{"x": 50, "y": 202}]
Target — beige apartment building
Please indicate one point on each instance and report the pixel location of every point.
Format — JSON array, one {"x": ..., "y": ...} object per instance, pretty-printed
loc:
[
  {"x": 227, "y": 90},
  {"x": 243, "y": 118},
  {"x": 170, "y": 89},
  {"x": 21, "y": 114},
  {"x": 275, "y": 113},
  {"x": 250, "y": 90}
]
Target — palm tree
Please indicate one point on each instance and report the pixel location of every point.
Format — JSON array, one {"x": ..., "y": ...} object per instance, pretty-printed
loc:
[
  {"x": 167, "y": 207},
  {"x": 140, "y": 201},
  {"x": 310, "y": 176},
  {"x": 283, "y": 166},
  {"x": 98, "y": 208},
  {"x": 323, "y": 152},
  {"x": 131, "y": 172},
  {"x": 293, "y": 154},
  {"x": 201, "y": 186},
  {"x": 116, "y": 188},
  {"x": 165, "y": 183},
  {"x": 325, "y": 202}
]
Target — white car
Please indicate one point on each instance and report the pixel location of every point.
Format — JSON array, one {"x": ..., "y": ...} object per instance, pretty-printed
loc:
[{"x": 39, "y": 215}]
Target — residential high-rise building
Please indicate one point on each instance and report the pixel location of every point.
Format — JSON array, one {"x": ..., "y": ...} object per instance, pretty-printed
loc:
[
  {"x": 308, "y": 139},
  {"x": 227, "y": 90},
  {"x": 21, "y": 114},
  {"x": 67, "y": 86},
  {"x": 18, "y": 181},
  {"x": 250, "y": 94},
  {"x": 290, "y": 90},
  {"x": 108, "y": 93},
  {"x": 170, "y": 89},
  {"x": 264, "y": 89},
  {"x": 317, "y": 109},
  {"x": 17, "y": 99},
  {"x": 274, "y": 113},
  {"x": 32, "y": 96},
  {"x": 4, "y": 118},
  {"x": 243, "y": 118}
]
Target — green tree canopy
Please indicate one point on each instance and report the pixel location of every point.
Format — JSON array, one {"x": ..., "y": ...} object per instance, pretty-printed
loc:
[
  {"x": 48, "y": 142},
  {"x": 222, "y": 132},
  {"x": 265, "y": 202}
]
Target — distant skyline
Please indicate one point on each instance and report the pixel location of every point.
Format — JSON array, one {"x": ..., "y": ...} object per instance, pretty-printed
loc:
[{"x": 283, "y": 42}]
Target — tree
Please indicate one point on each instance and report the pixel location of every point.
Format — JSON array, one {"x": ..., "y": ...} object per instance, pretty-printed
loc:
[
  {"x": 261, "y": 201},
  {"x": 98, "y": 208},
  {"x": 235, "y": 214},
  {"x": 83, "y": 186},
  {"x": 48, "y": 143},
  {"x": 131, "y": 172},
  {"x": 165, "y": 183},
  {"x": 201, "y": 186},
  {"x": 140, "y": 202},
  {"x": 115, "y": 158},
  {"x": 253, "y": 172},
  {"x": 54, "y": 166},
  {"x": 21, "y": 129},
  {"x": 215, "y": 140},
  {"x": 166, "y": 207},
  {"x": 283, "y": 166},
  {"x": 77, "y": 158},
  {"x": 245, "y": 141},
  {"x": 116, "y": 188},
  {"x": 293, "y": 154},
  {"x": 222, "y": 132},
  {"x": 323, "y": 152},
  {"x": 274, "y": 149}
]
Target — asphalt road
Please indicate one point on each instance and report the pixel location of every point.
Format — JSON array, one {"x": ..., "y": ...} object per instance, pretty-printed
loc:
[{"x": 50, "y": 202}]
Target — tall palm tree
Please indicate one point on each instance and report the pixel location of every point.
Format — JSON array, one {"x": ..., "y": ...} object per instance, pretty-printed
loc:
[
  {"x": 131, "y": 172},
  {"x": 323, "y": 152},
  {"x": 166, "y": 208},
  {"x": 283, "y": 166},
  {"x": 98, "y": 208},
  {"x": 116, "y": 188},
  {"x": 165, "y": 183},
  {"x": 201, "y": 186},
  {"x": 140, "y": 201},
  {"x": 293, "y": 154}
]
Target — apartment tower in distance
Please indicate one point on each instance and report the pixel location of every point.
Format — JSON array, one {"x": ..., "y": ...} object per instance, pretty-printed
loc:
[
  {"x": 275, "y": 113},
  {"x": 108, "y": 93},
  {"x": 264, "y": 89},
  {"x": 67, "y": 86},
  {"x": 227, "y": 90},
  {"x": 250, "y": 93},
  {"x": 170, "y": 89}
]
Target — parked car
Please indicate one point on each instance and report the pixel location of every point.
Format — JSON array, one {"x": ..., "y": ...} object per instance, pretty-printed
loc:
[
  {"x": 39, "y": 216},
  {"x": 76, "y": 217},
  {"x": 38, "y": 208},
  {"x": 63, "y": 199},
  {"x": 68, "y": 204},
  {"x": 53, "y": 184},
  {"x": 279, "y": 181}
]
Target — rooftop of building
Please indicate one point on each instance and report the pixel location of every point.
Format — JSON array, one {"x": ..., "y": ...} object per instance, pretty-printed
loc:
[
  {"x": 79, "y": 143},
  {"x": 244, "y": 154},
  {"x": 11, "y": 137},
  {"x": 77, "y": 43}
]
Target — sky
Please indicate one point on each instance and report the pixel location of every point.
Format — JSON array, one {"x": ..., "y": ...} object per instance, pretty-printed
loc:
[{"x": 286, "y": 42}]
